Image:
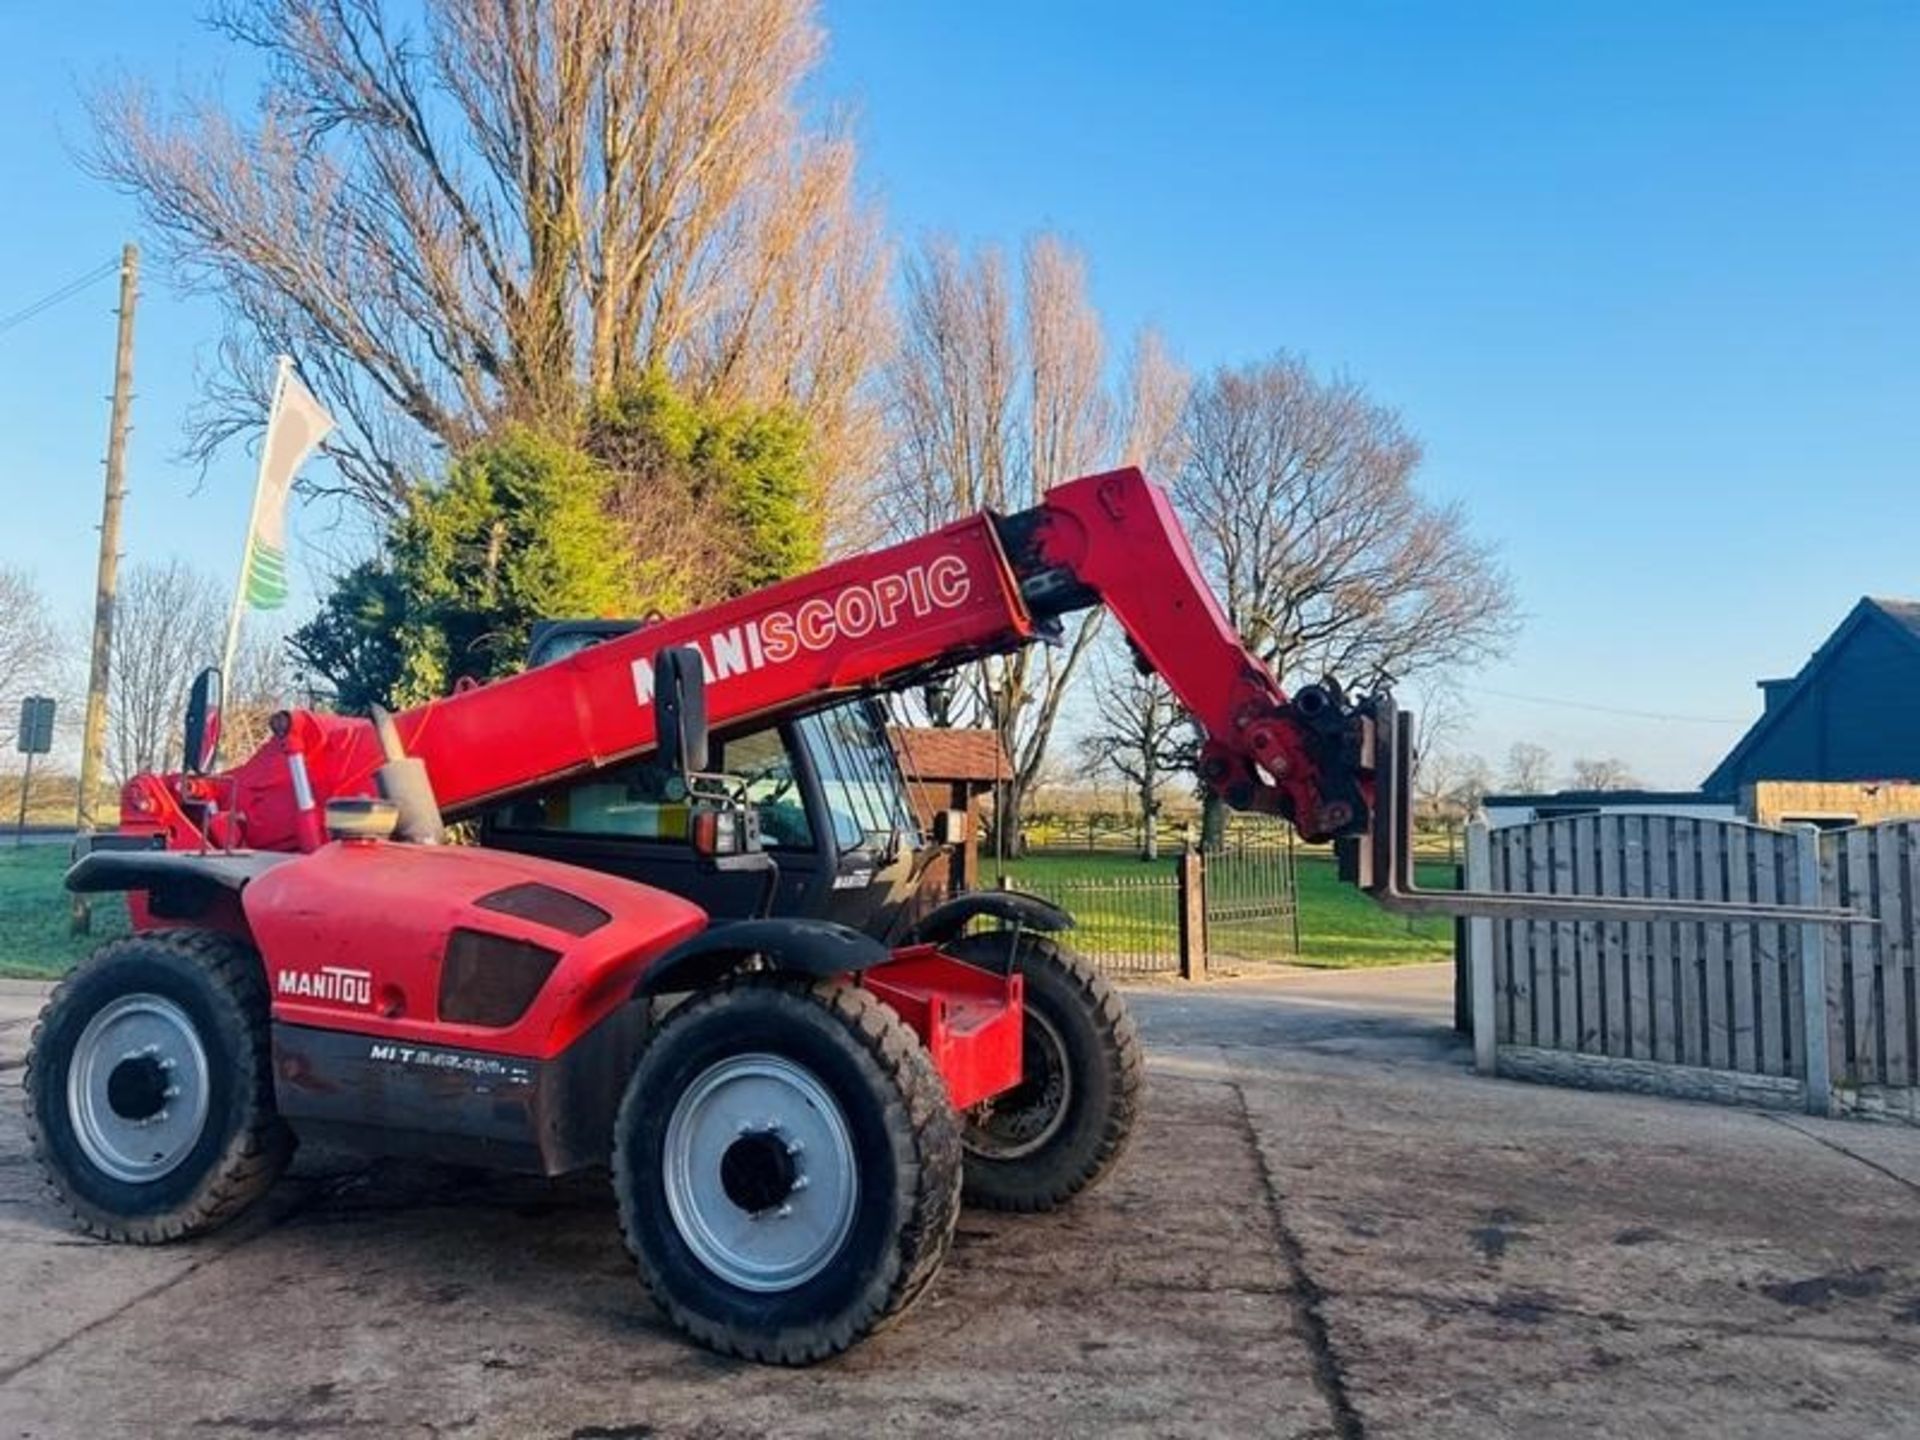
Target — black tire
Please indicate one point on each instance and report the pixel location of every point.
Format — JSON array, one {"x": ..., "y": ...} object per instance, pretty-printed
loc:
[
  {"x": 240, "y": 1147},
  {"x": 1069, "y": 1122},
  {"x": 900, "y": 1135}
]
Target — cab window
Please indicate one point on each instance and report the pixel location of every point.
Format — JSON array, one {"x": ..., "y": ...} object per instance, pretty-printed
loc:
[
  {"x": 764, "y": 764},
  {"x": 636, "y": 801},
  {"x": 857, "y": 773}
]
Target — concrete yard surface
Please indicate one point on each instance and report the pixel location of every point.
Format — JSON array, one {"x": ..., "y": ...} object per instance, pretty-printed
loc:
[{"x": 1328, "y": 1226}]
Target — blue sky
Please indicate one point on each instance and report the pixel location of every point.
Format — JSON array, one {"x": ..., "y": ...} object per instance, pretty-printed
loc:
[{"x": 1645, "y": 278}]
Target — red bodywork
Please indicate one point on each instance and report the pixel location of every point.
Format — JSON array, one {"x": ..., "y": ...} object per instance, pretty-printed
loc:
[
  {"x": 983, "y": 585},
  {"x": 384, "y": 912}
]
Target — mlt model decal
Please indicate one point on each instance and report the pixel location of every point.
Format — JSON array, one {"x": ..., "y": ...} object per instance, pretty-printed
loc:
[
  {"x": 482, "y": 1067},
  {"x": 334, "y": 983},
  {"x": 819, "y": 621}
]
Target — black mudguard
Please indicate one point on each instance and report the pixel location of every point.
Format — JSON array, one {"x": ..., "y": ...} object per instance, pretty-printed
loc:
[
  {"x": 949, "y": 918},
  {"x": 803, "y": 947},
  {"x": 180, "y": 885}
]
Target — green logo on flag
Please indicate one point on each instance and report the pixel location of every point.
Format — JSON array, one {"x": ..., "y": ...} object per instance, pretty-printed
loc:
[{"x": 266, "y": 577}]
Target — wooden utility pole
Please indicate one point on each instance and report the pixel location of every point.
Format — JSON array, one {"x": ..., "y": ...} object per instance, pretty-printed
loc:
[{"x": 93, "y": 753}]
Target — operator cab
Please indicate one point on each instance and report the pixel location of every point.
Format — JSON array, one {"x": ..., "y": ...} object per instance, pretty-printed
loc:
[{"x": 831, "y": 800}]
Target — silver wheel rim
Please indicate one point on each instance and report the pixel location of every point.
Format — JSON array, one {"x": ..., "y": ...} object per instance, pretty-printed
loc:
[
  {"x": 137, "y": 1088},
  {"x": 1012, "y": 1127},
  {"x": 759, "y": 1171}
]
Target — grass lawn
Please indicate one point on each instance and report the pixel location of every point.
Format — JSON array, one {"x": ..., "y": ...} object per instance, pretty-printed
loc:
[
  {"x": 1339, "y": 927},
  {"x": 34, "y": 939}
]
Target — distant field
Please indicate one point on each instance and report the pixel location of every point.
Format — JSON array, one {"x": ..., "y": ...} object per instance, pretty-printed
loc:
[
  {"x": 1339, "y": 927},
  {"x": 34, "y": 939}
]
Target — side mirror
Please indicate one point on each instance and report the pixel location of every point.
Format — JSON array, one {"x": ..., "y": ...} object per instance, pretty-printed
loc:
[
  {"x": 202, "y": 745},
  {"x": 680, "y": 709}
]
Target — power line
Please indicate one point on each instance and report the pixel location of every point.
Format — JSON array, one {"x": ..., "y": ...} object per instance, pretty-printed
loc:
[
  {"x": 1611, "y": 709},
  {"x": 53, "y": 298}
]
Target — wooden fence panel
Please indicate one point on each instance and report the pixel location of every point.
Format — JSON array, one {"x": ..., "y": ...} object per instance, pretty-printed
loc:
[
  {"x": 1860, "y": 954},
  {"x": 1638, "y": 868},
  {"x": 1689, "y": 1045},
  {"x": 1793, "y": 989},
  {"x": 1871, "y": 1019},
  {"x": 1890, "y": 1040},
  {"x": 1743, "y": 975},
  {"x": 1666, "y": 999},
  {"x": 1566, "y": 955},
  {"x": 1839, "y": 997},
  {"x": 1907, "y": 1001},
  {"x": 1539, "y": 941},
  {"x": 1707, "y": 995},
  {"x": 1520, "y": 942},
  {"x": 1611, "y": 959},
  {"x": 1770, "y": 1015},
  {"x": 1716, "y": 974},
  {"x": 1586, "y": 866},
  {"x": 1718, "y": 999}
]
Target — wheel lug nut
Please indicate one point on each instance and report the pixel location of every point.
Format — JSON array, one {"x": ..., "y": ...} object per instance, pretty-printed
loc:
[
  {"x": 794, "y": 1147},
  {"x": 784, "y": 1211},
  {"x": 799, "y": 1183},
  {"x": 172, "y": 1092}
]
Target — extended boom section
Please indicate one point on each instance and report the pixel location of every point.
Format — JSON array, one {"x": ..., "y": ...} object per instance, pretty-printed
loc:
[{"x": 981, "y": 586}]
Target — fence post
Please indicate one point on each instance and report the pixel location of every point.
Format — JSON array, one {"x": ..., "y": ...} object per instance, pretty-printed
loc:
[
  {"x": 1486, "y": 1038},
  {"x": 1813, "y": 978},
  {"x": 1193, "y": 916}
]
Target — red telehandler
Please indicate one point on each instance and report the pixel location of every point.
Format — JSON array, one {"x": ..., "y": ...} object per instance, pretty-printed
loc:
[{"x": 790, "y": 1109}]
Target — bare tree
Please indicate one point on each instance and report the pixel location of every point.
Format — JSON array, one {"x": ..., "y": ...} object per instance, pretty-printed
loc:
[
  {"x": 1474, "y": 785},
  {"x": 1141, "y": 733},
  {"x": 1300, "y": 496},
  {"x": 1450, "y": 785},
  {"x": 1300, "y": 493},
  {"x": 168, "y": 625},
  {"x": 29, "y": 642},
  {"x": 1440, "y": 712},
  {"x": 497, "y": 210},
  {"x": 1529, "y": 768},
  {"x": 992, "y": 402},
  {"x": 1606, "y": 773}
]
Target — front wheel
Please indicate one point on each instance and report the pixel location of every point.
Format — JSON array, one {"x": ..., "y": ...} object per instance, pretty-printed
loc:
[
  {"x": 787, "y": 1167},
  {"x": 149, "y": 1088},
  {"x": 1067, "y": 1123}
]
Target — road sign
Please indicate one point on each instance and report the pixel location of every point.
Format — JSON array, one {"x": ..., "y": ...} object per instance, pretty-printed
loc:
[{"x": 36, "y": 725}]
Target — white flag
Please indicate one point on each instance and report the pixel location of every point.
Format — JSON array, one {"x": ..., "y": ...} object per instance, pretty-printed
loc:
[{"x": 295, "y": 428}]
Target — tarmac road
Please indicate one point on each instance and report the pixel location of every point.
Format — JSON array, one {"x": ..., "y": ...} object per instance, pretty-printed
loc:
[{"x": 1327, "y": 1227}]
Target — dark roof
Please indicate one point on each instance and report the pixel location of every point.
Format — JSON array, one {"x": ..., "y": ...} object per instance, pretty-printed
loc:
[
  {"x": 947, "y": 754},
  {"x": 1605, "y": 797},
  {"x": 1905, "y": 613},
  {"x": 1901, "y": 617}
]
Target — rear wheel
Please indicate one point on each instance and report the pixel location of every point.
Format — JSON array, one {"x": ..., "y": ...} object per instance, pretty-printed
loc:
[
  {"x": 787, "y": 1167},
  {"x": 149, "y": 1089},
  {"x": 1068, "y": 1122}
]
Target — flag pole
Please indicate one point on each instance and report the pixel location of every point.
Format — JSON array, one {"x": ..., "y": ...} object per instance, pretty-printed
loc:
[{"x": 253, "y": 518}]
